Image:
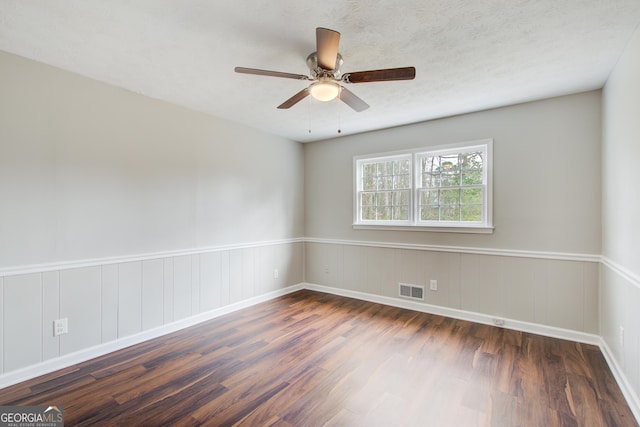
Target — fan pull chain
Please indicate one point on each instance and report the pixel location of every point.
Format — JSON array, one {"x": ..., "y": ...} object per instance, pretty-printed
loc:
[
  {"x": 339, "y": 99},
  {"x": 309, "y": 113}
]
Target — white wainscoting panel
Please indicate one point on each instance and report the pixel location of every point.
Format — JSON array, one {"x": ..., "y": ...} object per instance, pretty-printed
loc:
[
  {"x": 235, "y": 275},
  {"x": 181, "y": 287},
  {"x": 129, "y": 298},
  {"x": 22, "y": 333},
  {"x": 152, "y": 293},
  {"x": 119, "y": 301},
  {"x": 619, "y": 298},
  {"x": 223, "y": 295},
  {"x": 168, "y": 290},
  {"x": 552, "y": 292},
  {"x": 210, "y": 273},
  {"x": 195, "y": 285},
  {"x": 247, "y": 272},
  {"x": 80, "y": 302},
  {"x": 50, "y": 310},
  {"x": 109, "y": 302}
]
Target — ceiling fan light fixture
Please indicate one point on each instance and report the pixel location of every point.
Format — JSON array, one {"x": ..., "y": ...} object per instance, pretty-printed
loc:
[{"x": 324, "y": 91}]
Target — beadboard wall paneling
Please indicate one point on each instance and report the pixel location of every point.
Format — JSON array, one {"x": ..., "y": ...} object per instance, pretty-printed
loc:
[
  {"x": 110, "y": 302},
  {"x": 22, "y": 332},
  {"x": 152, "y": 293},
  {"x": 551, "y": 292},
  {"x": 129, "y": 298},
  {"x": 620, "y": 326},
  {"x": 80, "y": 302},
  {"x": 50, "y": 310}
]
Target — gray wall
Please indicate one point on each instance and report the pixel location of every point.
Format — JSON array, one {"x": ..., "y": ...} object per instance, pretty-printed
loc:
[
  {"x": 124, "y": 213},
  {"x": 546, "y": 176},
  {"x": 88, "y": 170},
  {"x": 541, "y": 263},
  {"x": 620, "y": 282}
]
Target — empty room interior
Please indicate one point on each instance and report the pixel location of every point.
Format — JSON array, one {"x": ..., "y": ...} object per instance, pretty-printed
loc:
[{"x": 416, "y": 213}]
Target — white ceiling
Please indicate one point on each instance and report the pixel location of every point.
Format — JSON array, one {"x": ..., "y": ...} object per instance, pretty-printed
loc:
[{"x": 469, "y": 55}]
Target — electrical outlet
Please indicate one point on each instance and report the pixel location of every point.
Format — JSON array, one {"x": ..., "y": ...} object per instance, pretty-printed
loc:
[
  {"x": 433, "y": 285},
  {"x": 498, "y": 322},
  {"x": 621, "y": 336},
  {"x": 60, "y": 327},
  {"x": 326, "y": 269},
  {"x": 275, "y": 274}
]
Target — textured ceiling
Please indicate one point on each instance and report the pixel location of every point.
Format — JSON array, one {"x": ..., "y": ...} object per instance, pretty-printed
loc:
[{"x": 469, "y": 55}]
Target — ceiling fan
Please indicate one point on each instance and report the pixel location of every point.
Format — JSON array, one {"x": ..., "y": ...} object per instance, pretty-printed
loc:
[{"x": 324, "y": 65}]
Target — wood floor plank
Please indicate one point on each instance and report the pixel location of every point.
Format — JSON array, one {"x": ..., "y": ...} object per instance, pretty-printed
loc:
[{"x": 310, "y": 359}]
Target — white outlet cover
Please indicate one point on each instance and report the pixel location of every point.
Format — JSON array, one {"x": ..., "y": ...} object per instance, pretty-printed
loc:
[{"x": 60, "y": 327}]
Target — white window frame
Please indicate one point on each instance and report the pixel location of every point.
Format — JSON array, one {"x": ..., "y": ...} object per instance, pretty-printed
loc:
[
  {"x": 358, "y": 190},
  {"x": 414, "y": 222}
]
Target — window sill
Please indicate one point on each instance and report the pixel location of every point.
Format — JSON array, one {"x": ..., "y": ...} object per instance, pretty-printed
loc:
[{"x": 462, "y": 229}]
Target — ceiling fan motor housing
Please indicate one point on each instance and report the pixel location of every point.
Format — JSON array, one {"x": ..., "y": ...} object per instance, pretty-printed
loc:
[{"x": 317, "y": 71}]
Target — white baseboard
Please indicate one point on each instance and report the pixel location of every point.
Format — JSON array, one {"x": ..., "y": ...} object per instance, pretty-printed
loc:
[
  {"x": 70, "y": 359},
  {"x": 627, "y": 390}
]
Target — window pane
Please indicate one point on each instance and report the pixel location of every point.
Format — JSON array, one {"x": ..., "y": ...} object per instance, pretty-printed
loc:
[
  {"x": 449, "y": 163},
  {"x": 383, "y": 213},
  {"x": 369, "y": 183},
  {"x": 369, "y": 169},
  {"x": 472, "y": 213},
  {"x": 387, "y": 168},
  {"x": 429, "y": 213},
  {"x": 367, "y": 199},
  {"x": 404, "y": 167},
  {"x": 385, "y": 183},
  {"x": 450, "y": 197},
  {"x": 428, "y": 197},
  {"x": 402, "y": 181},
  {"x": 471, "y": 196},
  {"x": 430, "y": 164},
  {"x": 450, "y": 179},
  {"x": 383, "y": 198},
  {"x": 450, "y": 213},
  {"x": 472, "y": 177},
  {"x": 401, "y": 198},
  {"x": 401, "y": 213},
  {"x": 368, "y": 213},
  {"x": 472, "y": 160},
  {"x": 431, "y": 180}
]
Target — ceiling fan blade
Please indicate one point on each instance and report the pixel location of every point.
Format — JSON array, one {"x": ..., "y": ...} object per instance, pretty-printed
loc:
[
  {"x": 389, "y": 74},
  {"x": 327, "y": 42},
  {"x": 258, "y": 72},
  {"x": 352, "y": 100},
  {"x": 294, "y": 99}
]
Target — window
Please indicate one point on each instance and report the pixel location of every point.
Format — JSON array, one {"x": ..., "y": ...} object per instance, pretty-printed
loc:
[{"x": 446, "y": 188}]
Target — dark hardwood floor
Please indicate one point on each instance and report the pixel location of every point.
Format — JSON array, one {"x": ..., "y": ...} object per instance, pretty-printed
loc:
[{"x": 313, "y": 359}]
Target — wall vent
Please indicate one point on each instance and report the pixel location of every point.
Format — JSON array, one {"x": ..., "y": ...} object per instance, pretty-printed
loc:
[{"x": 411, "y": 291}]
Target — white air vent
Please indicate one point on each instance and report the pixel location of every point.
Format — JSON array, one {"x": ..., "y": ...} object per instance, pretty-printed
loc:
[{"x": 411, "y": 291}]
